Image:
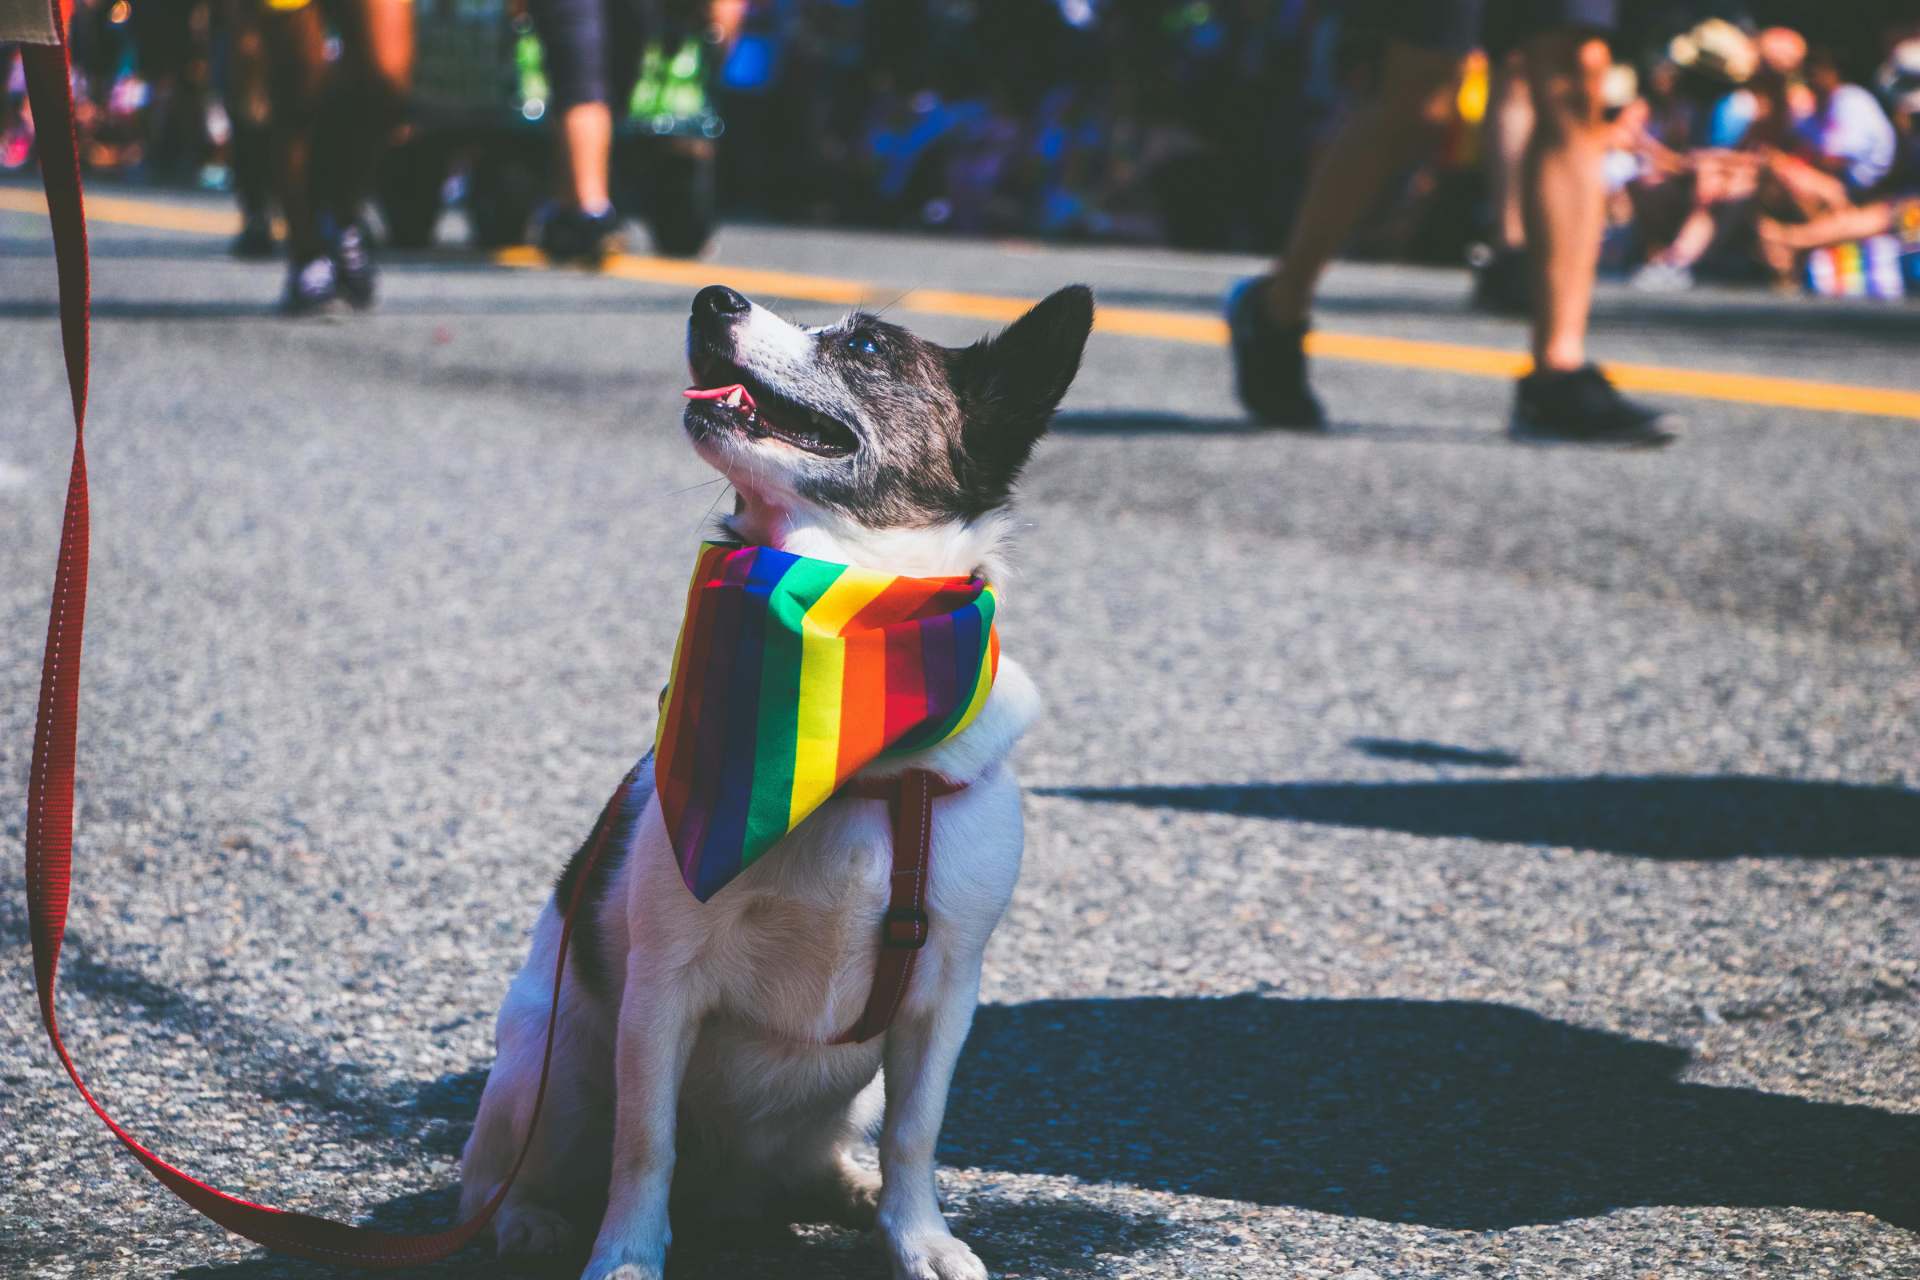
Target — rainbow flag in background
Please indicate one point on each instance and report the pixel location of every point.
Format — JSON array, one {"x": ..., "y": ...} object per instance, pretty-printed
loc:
[
  {"x": 1869, "y": 268},
  {"x": 791, "y": 675}
]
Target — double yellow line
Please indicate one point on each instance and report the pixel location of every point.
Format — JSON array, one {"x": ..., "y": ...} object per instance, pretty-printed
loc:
[{"x": 1137, "y": 322}]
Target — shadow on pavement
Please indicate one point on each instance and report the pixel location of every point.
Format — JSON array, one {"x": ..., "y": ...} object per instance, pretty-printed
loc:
[
  {"x": 1130, "y": 422},
  {"x": 1458, "y": 1115},
  {"x": 1450, "y": 1114},
  {"x": 1671, "y": 817},
  {"x": 1421, "y": 752},
  {"x": 1054, "y": 1238}
]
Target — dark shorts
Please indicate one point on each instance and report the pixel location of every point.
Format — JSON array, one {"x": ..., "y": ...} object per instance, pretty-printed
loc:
[
  {"x": 592, "y": 47},
  {"x": 1457, "y": 26}
]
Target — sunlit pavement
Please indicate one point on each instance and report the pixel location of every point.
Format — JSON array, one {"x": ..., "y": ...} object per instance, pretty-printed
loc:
[{"x": 1446, "y": 858}]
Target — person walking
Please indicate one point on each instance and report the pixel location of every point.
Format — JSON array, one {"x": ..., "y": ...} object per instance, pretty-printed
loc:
[
  {"x": 330, "y": 122},
  {"x": 593, "y": 50},
  {"x": 1561, "y": 48}
]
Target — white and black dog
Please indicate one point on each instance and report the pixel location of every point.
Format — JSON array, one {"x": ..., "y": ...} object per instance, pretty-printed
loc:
[{"x": 687, "y": 1059}]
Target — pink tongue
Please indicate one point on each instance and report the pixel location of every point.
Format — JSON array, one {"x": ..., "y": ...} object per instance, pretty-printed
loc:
[{"x": 720, "y": 393}]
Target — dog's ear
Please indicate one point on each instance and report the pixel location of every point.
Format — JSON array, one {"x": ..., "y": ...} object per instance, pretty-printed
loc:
[{"x": 1010, "y": 385}]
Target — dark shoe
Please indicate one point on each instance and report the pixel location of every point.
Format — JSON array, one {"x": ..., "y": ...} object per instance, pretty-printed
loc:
[
  {"x": 1500, "y": 284},
  {"x": 1581, "y": 407},
  {"x": 312, "y": 288},
  {"x": 353, "y": 266},
  {"x": 1270, "y": 364},
  {"x": 255, "y": 240},
  {"x": 571, "y": 235}
]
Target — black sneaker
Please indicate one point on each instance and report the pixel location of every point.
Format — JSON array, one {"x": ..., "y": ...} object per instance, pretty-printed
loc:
[
  {"x": 573, "y": 235},
  {"x": 312, "y": 288},
  {"x": 1580, "y": 406},
  {"x": 255, "y": 240},
  {"x": 1270, "y": 364},
  {"x": 353, "y": 266},
  {"x": 1500, "y": 284}
]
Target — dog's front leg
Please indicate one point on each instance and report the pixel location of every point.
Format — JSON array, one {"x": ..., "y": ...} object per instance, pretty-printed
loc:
[
  {"x": 655, "y": 1039},
  {"x": 921, "y": 1053}
]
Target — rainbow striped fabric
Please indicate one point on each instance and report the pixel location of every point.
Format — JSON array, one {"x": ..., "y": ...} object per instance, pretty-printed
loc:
[{"x": 791, "y": 675}]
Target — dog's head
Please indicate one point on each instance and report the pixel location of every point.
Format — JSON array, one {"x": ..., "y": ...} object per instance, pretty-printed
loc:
[{"x": 862, "y": 427}]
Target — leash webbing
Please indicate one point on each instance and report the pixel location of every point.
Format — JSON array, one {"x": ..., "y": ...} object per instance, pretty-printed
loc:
[
  {"x": 49, "y": 833},
  {"x": 49, "y": 837}
]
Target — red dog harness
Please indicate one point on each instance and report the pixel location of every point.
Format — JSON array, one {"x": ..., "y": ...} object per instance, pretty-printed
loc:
[
  {"x": 49, "y": 842},
  {"x": 903, "y": 930}
]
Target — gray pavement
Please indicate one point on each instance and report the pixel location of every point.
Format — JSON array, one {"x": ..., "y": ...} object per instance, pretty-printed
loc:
[{"x": 1447, "y": 858}]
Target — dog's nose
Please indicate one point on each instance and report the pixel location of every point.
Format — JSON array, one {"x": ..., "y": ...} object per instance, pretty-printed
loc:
[{"x": 718, "y": 302}]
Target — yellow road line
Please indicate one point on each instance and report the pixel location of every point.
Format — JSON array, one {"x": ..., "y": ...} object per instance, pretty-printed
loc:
[
  {"x": 1138, "y": 322},
  {"x": 1203, "y": 330},
  {"x": 130, "y": 213}
]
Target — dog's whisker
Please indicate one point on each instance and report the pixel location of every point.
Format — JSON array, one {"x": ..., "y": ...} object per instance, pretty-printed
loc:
[
  {"x": 706, "y": 520},
  {"x": 674, "y": 493}
]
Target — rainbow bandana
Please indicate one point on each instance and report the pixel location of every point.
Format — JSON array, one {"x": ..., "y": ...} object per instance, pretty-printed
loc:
[{"x": 791, "y": 675}]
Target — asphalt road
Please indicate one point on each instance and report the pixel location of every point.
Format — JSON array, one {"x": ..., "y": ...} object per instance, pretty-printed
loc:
[{"x": 1447, "y": 858}]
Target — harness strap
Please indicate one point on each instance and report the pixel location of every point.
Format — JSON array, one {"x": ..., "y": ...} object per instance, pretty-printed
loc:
[{"x": 904, "y": 928}]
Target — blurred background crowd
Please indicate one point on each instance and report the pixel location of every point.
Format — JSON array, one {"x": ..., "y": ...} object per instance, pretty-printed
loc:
[{"x": 1757, "y": 140}]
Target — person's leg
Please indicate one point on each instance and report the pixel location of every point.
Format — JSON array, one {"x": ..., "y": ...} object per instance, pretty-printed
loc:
[
  {"x": 248, "y": 113},
  {"x": 578, "y": 40},
  {"x": 1267, "y": 316},
  {"x": 1860, "y": 222},
  {"x": 363, "y": 103},
  {"x": 1508, "y": 127},
  {"x": 295, "y": 42},
  {"x": 1565, "y": 399},
  {"x": 1794, "y": 188},
  {"x": 366, "y": 99},
  {"x": 1500, "y": 279},
  {"x": 1564, "y": 194},
  {"x": 1416, "y": 99},
  {"x": 574, "y": 38},
  {"x": 586, "y": 130}
]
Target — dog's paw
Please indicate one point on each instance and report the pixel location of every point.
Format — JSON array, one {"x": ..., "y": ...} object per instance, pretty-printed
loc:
[
  {"x": 615, "y": 1269},
  {"x": 529, "y": 1231},
  {"x": 626, "y": 1264},
  {"x": 934, "y": 1257}
]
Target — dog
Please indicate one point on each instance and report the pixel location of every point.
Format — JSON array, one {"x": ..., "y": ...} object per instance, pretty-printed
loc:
[{"x": 688, "y": 1065}]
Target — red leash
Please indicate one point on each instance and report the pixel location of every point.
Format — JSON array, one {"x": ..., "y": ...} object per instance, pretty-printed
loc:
[
  {"x": 49, "y": 844},
  {"x": 50, "y": 783}
]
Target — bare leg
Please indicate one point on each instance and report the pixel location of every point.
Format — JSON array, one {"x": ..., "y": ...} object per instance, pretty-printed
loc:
[
  {"x": 1509, "y": 128},
  {"x": 1857, "y": 223},
  {"x": 586, "y": 130},
  {"x": 1564, "y": 196},
  {"x": 1695, "y": 237},
  {"x": 1417, "y": 88},
  {"x": 1781, "y": 244}
]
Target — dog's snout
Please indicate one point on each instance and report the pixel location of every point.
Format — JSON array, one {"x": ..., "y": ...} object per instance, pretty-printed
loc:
[{"x": 717, "y": 302}]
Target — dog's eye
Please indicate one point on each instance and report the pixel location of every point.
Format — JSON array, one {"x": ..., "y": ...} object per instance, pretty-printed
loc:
[{"x": 862, "y": 344}]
